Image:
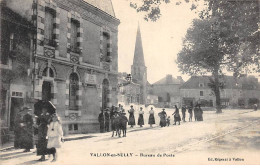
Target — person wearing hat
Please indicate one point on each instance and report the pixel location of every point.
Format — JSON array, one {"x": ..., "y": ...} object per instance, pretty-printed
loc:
[
  {"x": 131, "y": 116},
  {"x": 27, "y": 136},
  {"x": 24, "y": 130},
  {"x": 141, "y": 117},
  {"x": 42, "y": 122},
  {"x": 107, "y": 119},
  {"x": 162, "y": 116}
]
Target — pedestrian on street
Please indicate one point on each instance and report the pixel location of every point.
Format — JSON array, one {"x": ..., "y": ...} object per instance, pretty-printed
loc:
[
  {"x": 255, "y": 107},
  {"x": 42, "y": 122},
  {"x": 162, "y": 116},
  {"x": 27, "y": 133},
  {"x": 107, "y": 119},
  {"x": 190, "y": 113},
  {"x": 151, "y": 117},
  {"x": 54, "y": 135},
  {"x": 141, "y": 117},
  {"x": 123, "y": 123},
  {"x": 183, "y": 110},
  {"x": 101, "y": 120},
  {"x": 131, "y": 116},
  {"x": 196, "y": 112},
  {"x": 24, "y": 130},
  {"x": 168, "y": 121},
  {"x": 176, "y": 114},
  {"x": 200, "y": 114}
]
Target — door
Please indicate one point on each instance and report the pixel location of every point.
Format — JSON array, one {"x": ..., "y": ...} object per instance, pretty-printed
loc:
[{"x": 46, "y": 91}]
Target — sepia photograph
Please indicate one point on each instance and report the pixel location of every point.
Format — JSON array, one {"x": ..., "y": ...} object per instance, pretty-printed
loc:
[{"x": 130, "y": 82}]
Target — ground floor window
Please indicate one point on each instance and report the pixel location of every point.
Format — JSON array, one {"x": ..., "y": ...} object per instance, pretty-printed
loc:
[{"x": 73, "y": 127}]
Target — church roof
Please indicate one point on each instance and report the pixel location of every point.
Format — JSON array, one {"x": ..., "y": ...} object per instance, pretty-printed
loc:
[
  {"x": 104, "y": 5},
  {"x": 139, "y": 54},
  {"x": 168, "y": 80}
]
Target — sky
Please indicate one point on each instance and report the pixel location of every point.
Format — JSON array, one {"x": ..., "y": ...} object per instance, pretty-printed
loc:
[{"x": 162, "y": 40}]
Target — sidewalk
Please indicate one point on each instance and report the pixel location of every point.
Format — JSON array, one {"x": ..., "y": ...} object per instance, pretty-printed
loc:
[{"x": 10, "y": 145}]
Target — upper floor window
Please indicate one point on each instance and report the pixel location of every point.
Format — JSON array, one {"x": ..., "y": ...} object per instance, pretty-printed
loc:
[
  {"x": 105, "y": 46},
  {"x": 7, "y": 45},
  {"x": 201, "y": 84},
  {"x": 48, "y": 72},
  {"x": 49, "y": 26},
  {"x": 73, "y": 90},
  {"x": 74, "y": 35}
]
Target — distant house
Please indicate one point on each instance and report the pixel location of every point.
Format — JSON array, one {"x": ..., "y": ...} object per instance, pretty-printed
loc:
[
  {"x": 243, "y": 92},
  {"x": 168, "y": 91}
]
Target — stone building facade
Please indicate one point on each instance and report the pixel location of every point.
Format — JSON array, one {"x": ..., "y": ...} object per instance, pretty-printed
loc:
[
  {"x": 75, "y": 60},
  {"x": 243, "y": 92},
  {"x": 16, "y": 60},
  {"x": 168, "y": 91}
]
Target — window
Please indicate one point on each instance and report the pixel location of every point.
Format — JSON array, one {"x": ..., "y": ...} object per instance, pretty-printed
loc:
[
  {"x": 74, "y": 35},
  {"x": 17, "y": 94},
  {"x": 74, "y": 86},
  {"x": 201, "y": 84},
  {"x": 48, "y": 26},
  {"x": 48, "y": 72},
  {"x": 105, "y": 46},
  {"x": 201, "y": 93},
  {"x": 73, "y": 127}
]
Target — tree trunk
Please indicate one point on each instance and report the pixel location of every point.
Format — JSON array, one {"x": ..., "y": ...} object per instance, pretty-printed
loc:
[{"x": 217, "y": 91}]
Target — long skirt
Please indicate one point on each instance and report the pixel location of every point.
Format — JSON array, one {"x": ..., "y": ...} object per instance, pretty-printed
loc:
[
  {"x": 42, "y": 141},
  {"x": 131, "y": 119},
  {"x": 141, "y": 119},
  {"x": 177, "y": 118},
  {"x": 26, "y": 138},
  {"x": 151, "y": 119},
  {"x": 162, "y": 122}
]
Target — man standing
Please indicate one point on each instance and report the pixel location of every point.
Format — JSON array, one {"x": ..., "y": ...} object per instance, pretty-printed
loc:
[
  {"x": 183, "y": 110},
  {"x": 107, "y": 118},
  {"x": 27, "y": 133},
  {"x": 101, "y": 120}
]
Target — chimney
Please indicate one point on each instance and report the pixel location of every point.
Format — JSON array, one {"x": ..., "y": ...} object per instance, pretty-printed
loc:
[
  {"x": 168, "y": 78},
  {"x": 180, "y": 79}
]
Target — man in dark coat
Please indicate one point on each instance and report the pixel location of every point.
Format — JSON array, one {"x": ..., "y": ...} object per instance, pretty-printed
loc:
[
  {"x": 200, "y": 114},
  {"x": 107, "y": 119},
  {"x": 196, "y": 112},
  {"x": 27, "y": 133},
  {"x": 24, "y": 130},
  {"x": 101, "y": 120},
  {"x": 42, "y": 122},
  {"x": 183, "y": 110}
]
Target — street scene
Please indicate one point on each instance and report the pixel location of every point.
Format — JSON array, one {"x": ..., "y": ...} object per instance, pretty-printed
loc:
[
  {"x": 233, "y": 134},
  {"x": 145, "y": 82}
]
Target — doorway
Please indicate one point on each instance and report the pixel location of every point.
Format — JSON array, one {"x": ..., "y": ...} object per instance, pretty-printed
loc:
[{"x": 46, "y": 91}]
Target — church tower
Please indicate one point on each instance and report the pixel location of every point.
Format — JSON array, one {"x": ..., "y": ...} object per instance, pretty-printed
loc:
[{"x": 138, "y": 69}]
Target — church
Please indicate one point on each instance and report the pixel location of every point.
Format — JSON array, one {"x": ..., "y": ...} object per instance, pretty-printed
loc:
[{"x": 138, "y": 87}]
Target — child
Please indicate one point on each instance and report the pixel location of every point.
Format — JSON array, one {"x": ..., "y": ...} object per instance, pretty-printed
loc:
[
  {"x": 168, "y": 120},
  {"x": 54, "y": 135}
]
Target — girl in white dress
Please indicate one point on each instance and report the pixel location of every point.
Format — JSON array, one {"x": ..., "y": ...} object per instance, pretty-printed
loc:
[{"x": 54, "y": 135}]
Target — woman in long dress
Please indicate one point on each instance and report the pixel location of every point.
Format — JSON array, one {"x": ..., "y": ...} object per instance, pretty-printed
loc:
[
  {"x": 55, "y": 135},
  {"x": 162, "y": 116},
  {"x": 131, "y": 117},
  {"x": 151, "y": 117},
  {"x": 177, "y": 117},
  {"x": 141, "y": 117},
  {"x": 43, "y": 121}
]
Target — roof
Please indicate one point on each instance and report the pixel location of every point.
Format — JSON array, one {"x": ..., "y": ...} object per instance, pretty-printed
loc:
[
  {"x": 229, "y": 82},
  {"x": 168, "y": 80},
  {"x": 104, "y": 5}
]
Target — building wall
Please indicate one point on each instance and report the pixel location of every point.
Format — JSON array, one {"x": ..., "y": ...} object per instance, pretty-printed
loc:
[
  {"x": 93, "y": 23},
  {"x": 162, "y": 90}
]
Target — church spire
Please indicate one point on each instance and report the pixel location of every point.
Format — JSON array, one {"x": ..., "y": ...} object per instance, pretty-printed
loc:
[{"x": 139, "y": 54}]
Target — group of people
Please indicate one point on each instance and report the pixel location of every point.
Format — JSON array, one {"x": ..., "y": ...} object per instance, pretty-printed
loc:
[
  {"x": 44, "y": 131},
  {"x": 105, "y": 119}
]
